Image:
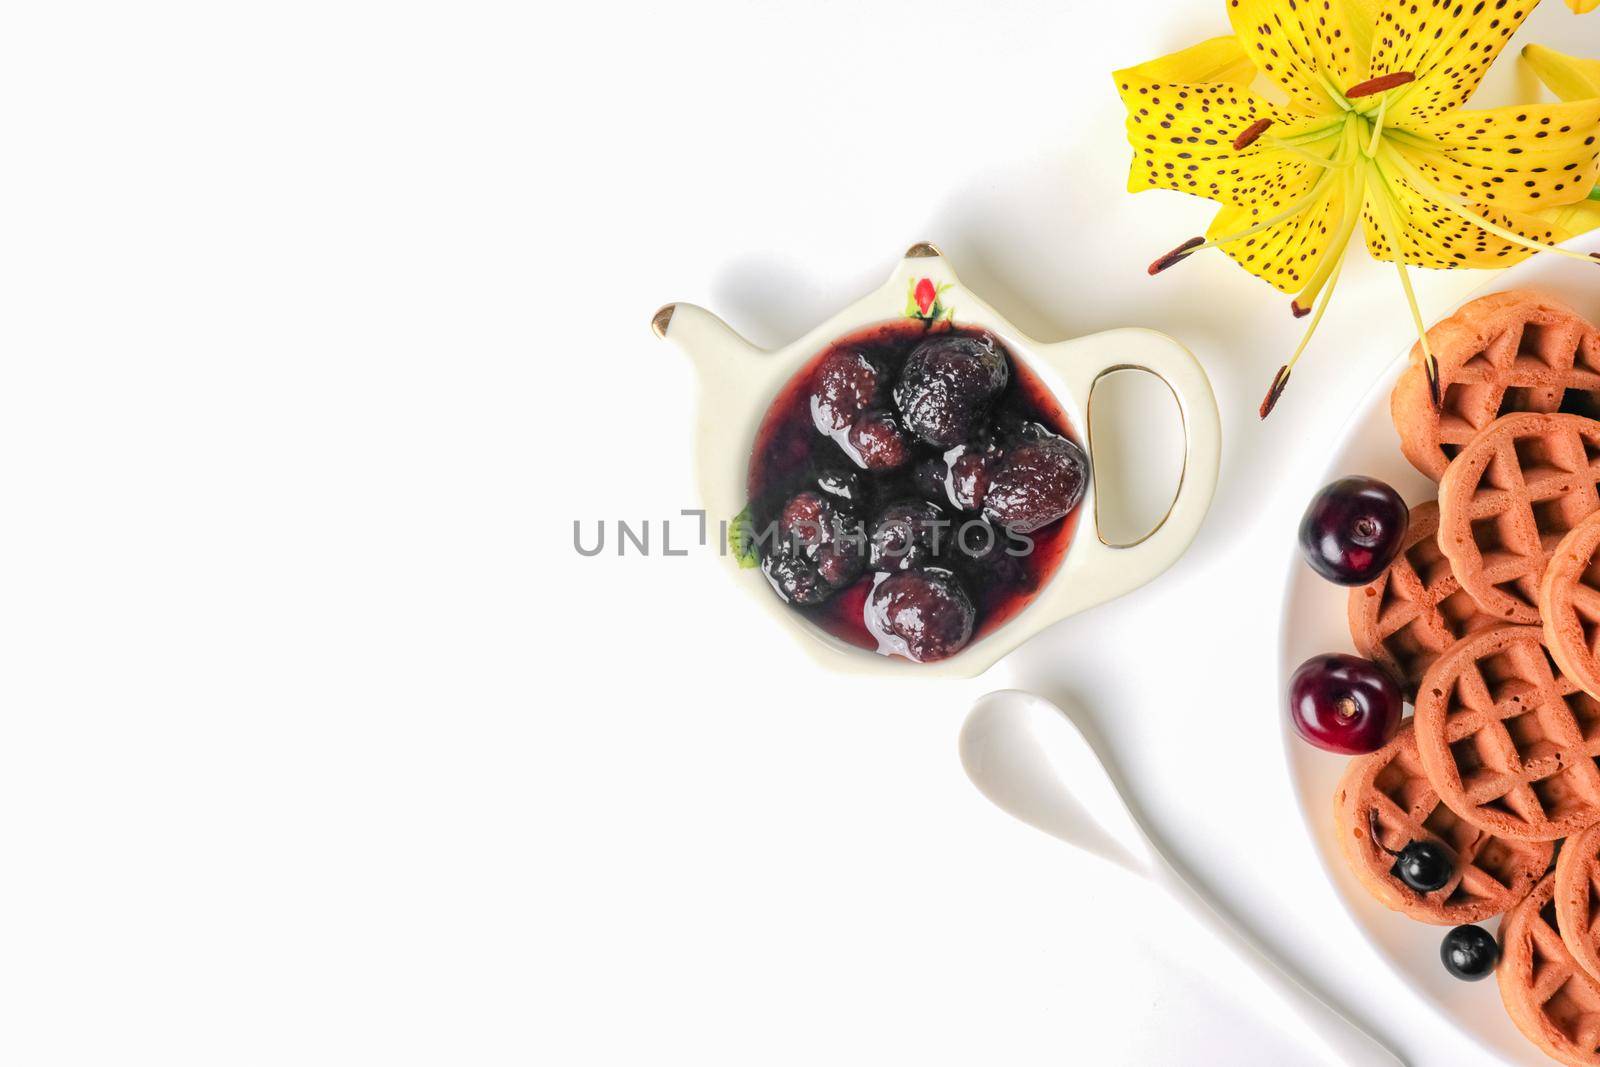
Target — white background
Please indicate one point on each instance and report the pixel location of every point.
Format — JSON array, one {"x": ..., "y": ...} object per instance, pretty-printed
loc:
[{"x": 321, "y": 324}]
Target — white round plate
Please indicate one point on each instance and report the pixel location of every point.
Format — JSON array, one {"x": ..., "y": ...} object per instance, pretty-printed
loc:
[{"x": 1313, "y": 621}]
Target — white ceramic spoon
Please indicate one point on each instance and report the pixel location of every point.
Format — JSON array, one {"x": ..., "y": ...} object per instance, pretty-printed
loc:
[{"x": 1030, "y": 758}]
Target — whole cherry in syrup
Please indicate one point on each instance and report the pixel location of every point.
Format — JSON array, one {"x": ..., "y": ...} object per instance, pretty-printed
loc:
[
  {"x": 942, "y": 467},
  {"x": 921, "y": 614},
  {"x": 946, "y": 386},
  {"x": 814, "y": 552}
]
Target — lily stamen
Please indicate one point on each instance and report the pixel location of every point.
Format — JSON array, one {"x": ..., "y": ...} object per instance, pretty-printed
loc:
[
  {"x": 1383, "y": 209},
  {"x": 1319, "y": 290},
  {"x": 1377, "y": 129},
  {"x": 1280, "y": 381},
  {"x": 1355, "y": 180},
  {"x": 1335, "y": 129},
  {"x": 1381, "y": 84},
  {"x": 1177, "y": 255},
  {"x": 1196, "y": 244},
  {"x": 1332, "y": 90},
  {"x": 1295, "y": 150},
  {"x": 1251, "y": 132}
]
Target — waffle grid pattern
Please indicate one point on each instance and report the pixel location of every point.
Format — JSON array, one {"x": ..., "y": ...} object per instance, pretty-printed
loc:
[
  {"x": 1508, "y": 742},
  {"x": 1417, "y": 609},
  {"x": 1569, "y": 600},
  {"x": 1516, "y": 351},
  {"x": 1550, "y": 998},
  {"x": 1577, "y": 898},
  {"x": 1491, "y": 874},
  {"x": 1508, "y": 500}
]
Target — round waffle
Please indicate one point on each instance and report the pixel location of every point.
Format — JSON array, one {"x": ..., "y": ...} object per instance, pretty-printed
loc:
[
  {"x": 1509, "y": 744},
  {"x": 1550, "y": 998},
  {"x": 1388, "y": 787},
  {"x": 1569, "y": 599},
  {"x": 1577, "y": 889},
  {"x": 1514, "y": 351},
  {"x": 1509, "y": 498},
  {"x": 1416, "y": 609}
]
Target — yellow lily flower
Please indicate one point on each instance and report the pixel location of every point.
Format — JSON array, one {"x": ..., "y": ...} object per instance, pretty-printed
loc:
[
  {"x": 1371, "y": 133},
  {"x": 1569, "y": 78}
]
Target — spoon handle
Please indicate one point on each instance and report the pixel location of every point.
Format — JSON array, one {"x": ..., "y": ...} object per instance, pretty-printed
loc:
[{"x": 1342, "y": 1038}]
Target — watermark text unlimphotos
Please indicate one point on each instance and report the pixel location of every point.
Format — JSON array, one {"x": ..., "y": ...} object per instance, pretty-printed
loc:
[{"x": 890, "y": 538}]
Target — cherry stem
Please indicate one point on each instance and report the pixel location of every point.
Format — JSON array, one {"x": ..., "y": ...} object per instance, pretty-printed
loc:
[{"x": 1382, "y": 83}]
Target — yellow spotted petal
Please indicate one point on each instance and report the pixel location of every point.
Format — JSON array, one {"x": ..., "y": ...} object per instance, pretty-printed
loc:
[
  {"x": 1182, "y": 137},
  {"x": 1362, "y": 19},
  {"x": 1516, "y": 158},
  {"x": 1573, "y": 219},
  {"x": 1286, "y": 255},
  {"x": 1305, "y": 46},
  {"x": 1431, "y": 235},
  {"x": 1569, "y": 77},
  {"x": 1447, "y": 44},
  {"x": 1221, "y": 59},
  {"x": 1583, "y": 7}
]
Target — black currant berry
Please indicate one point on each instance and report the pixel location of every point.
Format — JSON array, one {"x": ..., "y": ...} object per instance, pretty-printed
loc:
[
  {"x": 1469, "y": 953},
  {"x": 1423, "y": 865}
]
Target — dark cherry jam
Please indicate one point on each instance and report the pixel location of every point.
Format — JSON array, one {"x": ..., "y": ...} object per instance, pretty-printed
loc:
[{"x": 913, "y": 487}]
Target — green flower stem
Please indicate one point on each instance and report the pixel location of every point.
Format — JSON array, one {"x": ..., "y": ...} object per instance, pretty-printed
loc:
[
  {"x": 1412, "y": 140},
  {"x": 1302, "y": 204},
  {"x": 1349, "y": 215},
  {"x": 1333, "y": 129},
  {"x": 1377, "y": 129},
  {"x": 1383, "y": 210}
]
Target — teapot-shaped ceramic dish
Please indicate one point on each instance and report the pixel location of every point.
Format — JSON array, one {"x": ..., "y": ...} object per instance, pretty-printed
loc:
[{"x": 739, "y": 382}]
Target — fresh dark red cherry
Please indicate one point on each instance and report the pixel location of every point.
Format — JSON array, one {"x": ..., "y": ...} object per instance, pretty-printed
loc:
[
  {"x": 1344, "y": 704},
  {"x": 1352, "y": 530}
]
